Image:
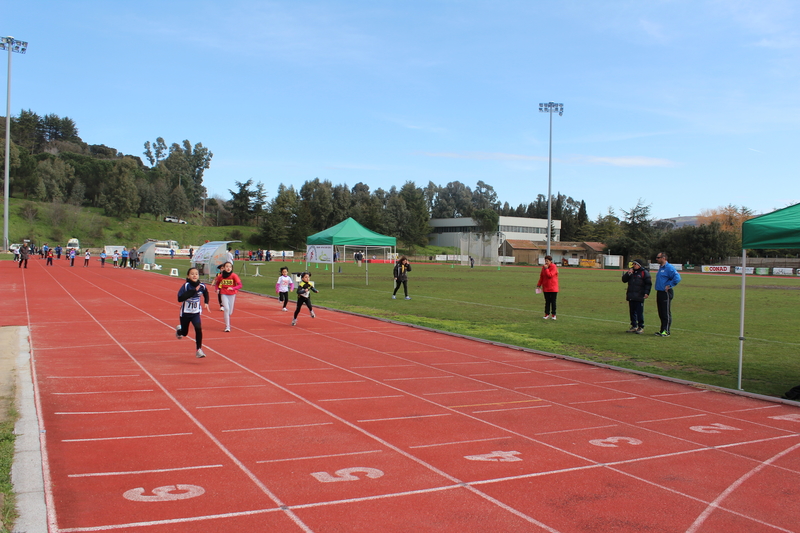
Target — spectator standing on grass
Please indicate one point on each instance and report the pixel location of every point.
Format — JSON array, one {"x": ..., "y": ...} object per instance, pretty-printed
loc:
[
  {"x": 283, "y": 286},
  {"x": 191, "y": 308},
  {"x": 666, "y": 279},
  {"x": 191, "y": 253},
  {"x": 172, "y": 253},
  {"x": 228, "y": 284},
  {"x": 548, "y": 282},
  {"x": 116, "y": 258},
  {"x": 400, "y": 273},
  {"x": 133, "y": 257},
  {"x": 639, "y": 284},
  {"x": 304, "y": 290},
  {"x": 24, "y": 252},
  {"x": 124, "y": 255}
]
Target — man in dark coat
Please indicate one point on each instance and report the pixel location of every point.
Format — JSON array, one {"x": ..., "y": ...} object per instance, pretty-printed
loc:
[{"x": 639, "y": 284}]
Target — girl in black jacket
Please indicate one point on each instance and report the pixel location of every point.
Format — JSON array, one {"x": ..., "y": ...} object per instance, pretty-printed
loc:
[
  {"x": 639, "y": 284},
  {"x": 400, "y": 276}
]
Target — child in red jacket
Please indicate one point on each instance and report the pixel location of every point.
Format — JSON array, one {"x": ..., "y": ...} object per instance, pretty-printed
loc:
[{"x": 548, "y": 282}]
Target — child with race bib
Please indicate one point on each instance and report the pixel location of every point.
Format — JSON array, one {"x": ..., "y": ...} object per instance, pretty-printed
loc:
[
  {"x": 228, "y": 284},
  {"x": 283, "y": 286},
  {"x": 191, "y": 308}
]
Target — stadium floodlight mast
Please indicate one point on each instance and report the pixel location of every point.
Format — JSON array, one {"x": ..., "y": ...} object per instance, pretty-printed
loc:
[
  {"x": 551, "y": 108},
  {"x": 12, "y": 45}
]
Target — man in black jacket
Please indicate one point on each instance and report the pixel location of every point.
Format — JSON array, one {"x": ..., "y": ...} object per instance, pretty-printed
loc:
[{"x": 639, "y": 284}]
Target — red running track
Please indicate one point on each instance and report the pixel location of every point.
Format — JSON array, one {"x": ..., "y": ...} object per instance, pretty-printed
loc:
[{"x": 350, "y": 424}]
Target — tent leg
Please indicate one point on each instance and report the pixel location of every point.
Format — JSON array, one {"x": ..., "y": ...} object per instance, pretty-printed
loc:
[{"x": 741, "y": 316}]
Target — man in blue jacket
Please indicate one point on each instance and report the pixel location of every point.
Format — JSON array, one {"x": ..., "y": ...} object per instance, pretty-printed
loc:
[{"x": 666, "y": 279}]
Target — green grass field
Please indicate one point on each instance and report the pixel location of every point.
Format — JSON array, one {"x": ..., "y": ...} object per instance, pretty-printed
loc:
[{"x": 500, "y": 305}]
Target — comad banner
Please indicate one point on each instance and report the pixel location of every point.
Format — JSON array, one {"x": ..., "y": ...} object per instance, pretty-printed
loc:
[
  {"x": 319, "y": 253},
  {"x": 716, "y": 268}
]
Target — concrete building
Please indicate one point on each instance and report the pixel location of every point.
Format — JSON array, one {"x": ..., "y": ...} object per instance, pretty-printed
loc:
[
  {"x": 532, "y": 253},
  {"x": 446, "y": 230}
]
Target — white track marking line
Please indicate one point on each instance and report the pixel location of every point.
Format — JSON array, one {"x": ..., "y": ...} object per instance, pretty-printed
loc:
[
  {"x": 299, "y": 369},
  {"x": 499, "y": 374},
  {"x": 127, "y": 437},
  {"x": 317, "y": 456},
  {"x": 679, "y": 393},
  {"x": 459, "y": 442},
  {"x": 576, "y": 429},
  {"x": 752, "y": 409},
  {"x": 620, "y": 381},
  {"x": 325, "y": 382},
  {"x": 511, "y": 409},
  {"x": 362, "y": 398},
  {"x": 200, "y": 373},
  {"x": 90, "y": 377},
  {"x": 463, "y": 363},
  {"x": 110, "y": 412},
  {"x": 670, "y": 418},
  {"x": 224, "y": 387},
  {"x": 548, "y": 386},
  {"x": 413, "y": 379},
  {"x": 100, "y": 392},
  {"x": 457, "y": 392},
  {"x": 137, "y": 472},
  {"x": 241, "y": 405},
  {"x": 278, "y": 427},
  {"x": 403, "y": 417},
  {"x": 380, "y": 366},
  {"x": 606, "y": 400}
]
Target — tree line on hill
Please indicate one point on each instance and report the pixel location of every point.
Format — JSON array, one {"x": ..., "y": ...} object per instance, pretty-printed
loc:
[{"x": 51, "y": 163}]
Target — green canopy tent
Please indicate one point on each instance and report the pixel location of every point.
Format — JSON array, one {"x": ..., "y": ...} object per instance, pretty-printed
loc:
[
  {"x": 347, "y": 233},
  {"x": 779, "y": 229}
]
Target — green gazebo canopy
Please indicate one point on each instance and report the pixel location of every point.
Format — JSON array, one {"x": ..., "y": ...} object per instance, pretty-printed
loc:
[
  {"x": 779, "y": 229},
  {"x": 350, "y": 233}
]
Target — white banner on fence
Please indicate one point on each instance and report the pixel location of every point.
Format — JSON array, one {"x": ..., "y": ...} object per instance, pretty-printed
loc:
[
  {"x": 319, "y": 253},
  {"x": 782, "y": 271},
  {"x": 748, "y": 270},
  {"x": 716, "y": 268}
]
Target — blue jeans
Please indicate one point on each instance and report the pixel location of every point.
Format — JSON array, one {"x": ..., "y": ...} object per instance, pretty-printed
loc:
[{"x": 637, "y": 314}]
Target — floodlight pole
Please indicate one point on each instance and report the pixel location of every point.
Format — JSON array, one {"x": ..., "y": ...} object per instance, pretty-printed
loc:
[
  {"x": 12, "y": 45},
  {"x": 549, "y": 108}
]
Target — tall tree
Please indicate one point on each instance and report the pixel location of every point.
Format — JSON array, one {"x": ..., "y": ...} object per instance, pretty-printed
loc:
[{"x": 242, "y": 201}]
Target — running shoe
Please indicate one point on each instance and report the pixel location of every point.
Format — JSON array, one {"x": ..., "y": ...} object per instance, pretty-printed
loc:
[
  {"x": 200, "y": 354},
  {"x": 408, "y": 297},
  {"x": 633, "y": 329},
  {"x": 227, "y": 330},
  {"x": 546, "y": 317},
  {"x": 313, "y": 315},
  {"x": 394, "y": 297},
  {"x": 552, "y": 317},
  {"x": 294, "y": 322},
  {"x": 221, "y": 308},
  {"x": 178, "y": 333},
  {"x": 639, "y": 331}
]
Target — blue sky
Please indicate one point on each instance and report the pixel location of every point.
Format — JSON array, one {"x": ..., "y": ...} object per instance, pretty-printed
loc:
[{"x": 686, "y": 105}]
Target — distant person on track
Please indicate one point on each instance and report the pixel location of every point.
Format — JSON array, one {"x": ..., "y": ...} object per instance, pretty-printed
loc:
[
  {"x": 133, "y": 258},
  {"x": 639, "y": 284},
  {"x": 228, "y": 284},
  {"x": 283, "y": 286},
  {"x": 666, "y": 279},
  {"x": 102, "y": 259},
  {"x": 191, "y": 308},
  {"x": 86, "y": 258},
  {"x": 400, "y": 273},
  {"x": 304, "y": 290},
  {"x": 24, "y": 252},
  {"x": 49, "y": 257},
  {"x": 116, "y": 258},
  {"x": 72, "y": 257},
  {"x": 548, "y": 282}
]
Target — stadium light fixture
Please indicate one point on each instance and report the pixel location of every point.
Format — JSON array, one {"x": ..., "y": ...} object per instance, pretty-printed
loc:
[
  {"x": 550, "y": 108},
  {"x": 20, "y": 47}
]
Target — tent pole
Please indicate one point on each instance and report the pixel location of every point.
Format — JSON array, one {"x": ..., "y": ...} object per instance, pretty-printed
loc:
[{"x": 741, "y": 316}]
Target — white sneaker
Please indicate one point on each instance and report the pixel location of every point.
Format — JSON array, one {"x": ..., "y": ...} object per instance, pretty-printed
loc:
[
  {"x": 546, "y": 317},
  {"x": 553, "y": 317},
  {"x": 394, "y": 297},
  {"x": 200, "y": 354},
  {"x": 284, "y": 309},
  {"x": 294, "y": 322},
  {"x": 227, "y": 330},
  {"x": 178, "y": 333},
  {"x": 221, "y": 308},
  {"x": 313, "y": 315},
  {"x": 408, "y": 297}
]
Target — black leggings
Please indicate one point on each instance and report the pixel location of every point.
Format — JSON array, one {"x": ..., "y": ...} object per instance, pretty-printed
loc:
[
  {"x": 397, "y": 286},
  {"x": 283, "y": 297},
  {"x": 194, "y": 319},
  {"x": 550, "y": 303},
  {"x": 300, "y": 303}
]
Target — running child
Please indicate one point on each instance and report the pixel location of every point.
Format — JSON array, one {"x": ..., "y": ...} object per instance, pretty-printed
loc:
[
  {"x": 228, "y": 284},
  {"x": 283, "y": 286},
  {"x": 87, "y": 257},
  {"x": 50, "y": 257},
  {"x": 103, "y": 259},
  {"x": 304, "y": 290},
  {"x": 191, "y": 308}
]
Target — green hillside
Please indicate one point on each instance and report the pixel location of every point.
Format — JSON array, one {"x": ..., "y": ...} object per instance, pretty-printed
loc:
[{"x": 55, "y": 223}]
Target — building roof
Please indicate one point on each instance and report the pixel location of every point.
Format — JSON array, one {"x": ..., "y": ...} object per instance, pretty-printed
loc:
[
  {"x": 518, "y": 244},
  {"x": 596, "y": 246}
]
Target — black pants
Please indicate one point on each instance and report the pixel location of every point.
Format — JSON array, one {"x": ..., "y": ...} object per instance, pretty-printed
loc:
[
  {"x": 664, "y": 301},
  {"x": 300, "y": 302},
  {"x": 397, "y": 286},
  {"x": 550, "y": 303},
  {"x": 283, "y": 297},
  {"x": 194, "y": 319},
  {"x": 21, "y": 260},
  {"x": 637, "y": 313}
]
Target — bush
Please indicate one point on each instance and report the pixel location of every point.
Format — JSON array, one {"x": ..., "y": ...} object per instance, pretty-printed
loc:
[
  {"x": 57, "y": 235},
  {"x": 236, "y": 235}
]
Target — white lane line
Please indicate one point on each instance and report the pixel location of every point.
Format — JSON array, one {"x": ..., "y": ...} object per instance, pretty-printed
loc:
[
  {"x": 240, "y": 405},
  {"x": 671, "y": 418},
  {"x": 512, "y": 409},
  {"x": 457, "y": 442},
  {"x": 458, "y": 392},
  {"x": 500, "y": 374},
  {"x": 403, "y": 417},
  {"x": 679, "y": 393},
  {"x": 317, "y": 457},
  {"x": 427, "y": 377},
  {"x": 90, "y": 377},
  {"x": 167, "y": 521},
  {"x": 607, "y": 400},
  {"x": 325, "y": 382},
  {"x": 202, "y": 373},
  {"x": 548, "y": 386},
  {"x": 110, "y": 412},
  {"x": 101, "y": 392},
  {"x": 463, "y": 363},
  {"x": 278, "y": 427},
  {"x": 380, "y": 366},
  {"x": 362, "y": 398},
  {"x": 752, "y": 409},
  {"x": 225, "y": 387},
  {"x": 571, "y": 370},
  {"x": 621, "y": 381},
  {"x": 128, "y": 437},
  {"x": 299, "y": 369},
  {"x": 576, "y": 429},
  {"x": 136, "y": 472}
]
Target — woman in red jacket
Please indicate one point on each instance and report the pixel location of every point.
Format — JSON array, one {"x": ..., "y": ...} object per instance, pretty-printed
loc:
[{"x": 548, "y": 282}]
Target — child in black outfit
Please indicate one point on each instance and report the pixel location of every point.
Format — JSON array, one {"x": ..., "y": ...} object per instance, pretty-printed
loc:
[{"x": 304, "y": 290}]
